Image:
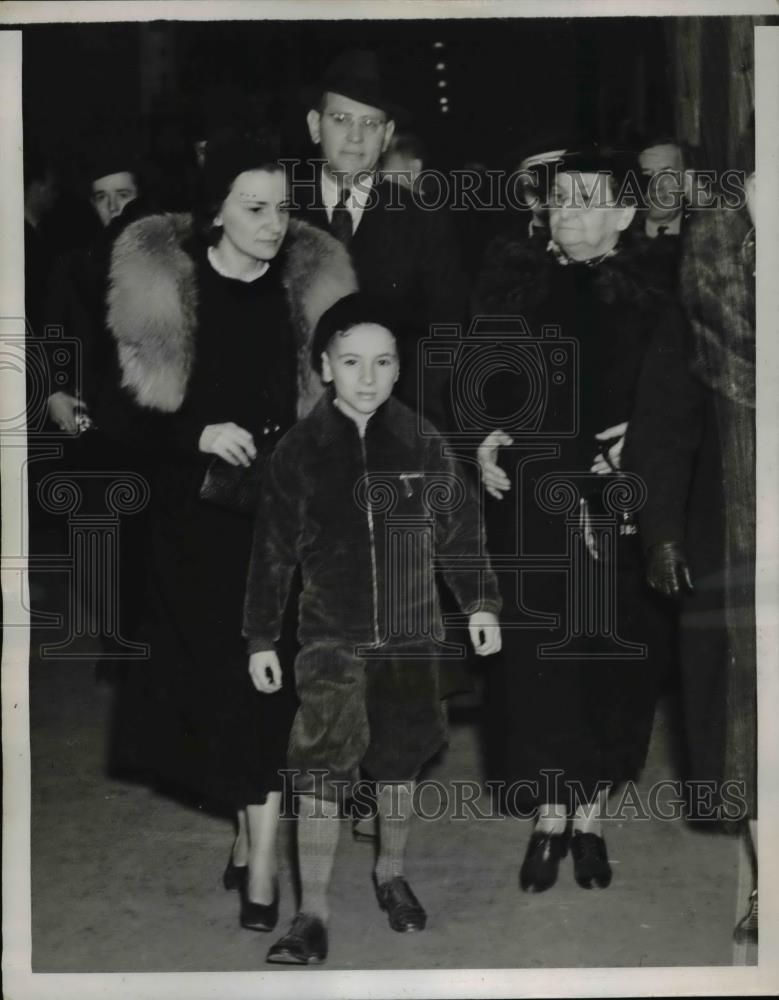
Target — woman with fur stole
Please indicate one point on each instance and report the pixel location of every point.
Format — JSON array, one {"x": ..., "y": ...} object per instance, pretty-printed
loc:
[{"x": 212, "y": 318}]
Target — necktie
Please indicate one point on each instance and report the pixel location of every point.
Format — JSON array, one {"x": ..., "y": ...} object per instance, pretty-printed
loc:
[
  {"x": 662, "y": 230},
  {"x": 341, "y": 222}
]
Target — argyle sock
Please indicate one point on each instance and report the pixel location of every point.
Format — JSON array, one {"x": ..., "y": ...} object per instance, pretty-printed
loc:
[
  {"x": 319, "y": 826},
  {"x": 394, "y": 804}
]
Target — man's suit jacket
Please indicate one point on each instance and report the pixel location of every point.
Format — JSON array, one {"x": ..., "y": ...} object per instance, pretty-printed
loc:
[{"x": 410, "y": 257}]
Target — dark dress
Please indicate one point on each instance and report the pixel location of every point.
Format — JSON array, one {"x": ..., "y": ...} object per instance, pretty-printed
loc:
[
  {"x": 570, "y": 699},
  {"x": 205, "y": 729}
]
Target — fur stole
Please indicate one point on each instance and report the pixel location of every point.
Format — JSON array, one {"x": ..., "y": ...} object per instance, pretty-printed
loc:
[{"x": 153, "y": 297}]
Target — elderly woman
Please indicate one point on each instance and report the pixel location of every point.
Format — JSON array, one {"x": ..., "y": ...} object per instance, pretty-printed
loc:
[
  {"x": 570, "y": 701},
  {"x": 212, "y": 321}
]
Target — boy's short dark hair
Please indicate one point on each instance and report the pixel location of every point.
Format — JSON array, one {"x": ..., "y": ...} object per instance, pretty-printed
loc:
[{"x": 348, "y": 312}]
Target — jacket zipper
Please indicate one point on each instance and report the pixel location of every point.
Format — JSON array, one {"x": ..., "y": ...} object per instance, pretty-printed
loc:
[{"x": 373, "y": 547}]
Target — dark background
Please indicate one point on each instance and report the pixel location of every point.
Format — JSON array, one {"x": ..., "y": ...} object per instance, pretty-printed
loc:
[
  {"x": 163, "y": 84},
  {"x": 507, "y": 79}
]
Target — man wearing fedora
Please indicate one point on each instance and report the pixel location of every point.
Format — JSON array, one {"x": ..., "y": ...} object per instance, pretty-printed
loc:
[{"x": 401, "y": 251}]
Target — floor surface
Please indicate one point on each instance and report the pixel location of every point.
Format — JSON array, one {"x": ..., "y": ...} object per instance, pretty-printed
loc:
[{"x": 124, "y": 879}]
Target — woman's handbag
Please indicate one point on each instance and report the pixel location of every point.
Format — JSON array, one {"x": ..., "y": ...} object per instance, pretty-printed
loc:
[
  {"x": 238, "y": 487},
  {"x": 234, "y": 487}
]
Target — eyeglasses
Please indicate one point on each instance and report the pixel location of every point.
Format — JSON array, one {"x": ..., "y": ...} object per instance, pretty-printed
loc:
[{"x": 346, "y": 121}]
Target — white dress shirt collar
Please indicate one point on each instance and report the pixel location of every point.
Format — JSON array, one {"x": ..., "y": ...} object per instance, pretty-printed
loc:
[{"x": 355, "y": 203}]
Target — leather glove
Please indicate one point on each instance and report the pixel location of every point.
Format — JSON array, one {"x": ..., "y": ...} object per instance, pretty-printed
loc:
[{"x": 667, "y": 570}]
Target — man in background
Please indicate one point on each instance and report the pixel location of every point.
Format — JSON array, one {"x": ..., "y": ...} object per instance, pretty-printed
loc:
[{"x": 401, "y": 252}]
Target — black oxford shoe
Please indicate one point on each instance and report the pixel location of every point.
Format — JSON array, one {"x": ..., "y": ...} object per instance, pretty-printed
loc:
[
  {"x": 305, "y": 943},
  {"x": 590, "y": 860},
  {"x": 542, "y": 860},
  {"x": 402, "y": 906}
]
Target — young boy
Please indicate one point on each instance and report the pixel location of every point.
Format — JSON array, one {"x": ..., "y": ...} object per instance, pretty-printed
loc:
[{"x": 369, "y": 620}]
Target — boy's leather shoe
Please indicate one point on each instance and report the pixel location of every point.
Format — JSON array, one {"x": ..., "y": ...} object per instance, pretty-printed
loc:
[
  {"x": 305, "y": 943},
  {"x": 403, "y": 908}
]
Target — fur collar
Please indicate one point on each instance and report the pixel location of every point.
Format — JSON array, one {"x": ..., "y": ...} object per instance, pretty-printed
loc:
[
  {"x": 521, "y": 274},
  {"x": 152, "y": 304}
]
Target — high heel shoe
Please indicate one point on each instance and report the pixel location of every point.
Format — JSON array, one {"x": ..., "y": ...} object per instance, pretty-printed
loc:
[
  {"x": 259, "y": 916},
  {"x": 590, "y": 860},
  {"x": 234, "y": 876},
  {"x": 542, "y": 860}
]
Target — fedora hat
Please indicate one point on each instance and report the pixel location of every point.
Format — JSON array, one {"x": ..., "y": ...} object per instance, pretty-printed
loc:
[
  {"x": 355, "y": 74},
  {"x": 110, "y": 155}
]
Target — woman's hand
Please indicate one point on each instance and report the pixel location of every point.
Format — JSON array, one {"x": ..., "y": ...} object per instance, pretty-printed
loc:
[
  {"x": 230, "y": 442},
  {"x": 667, "y": 571},
  {"x": 610, "y": 460},
  {"x": 484, "y": 630},
  {"x": 63, "y": 411},
  {"x": 495, "y": 480},
  {"x": 265, "y": 671}
]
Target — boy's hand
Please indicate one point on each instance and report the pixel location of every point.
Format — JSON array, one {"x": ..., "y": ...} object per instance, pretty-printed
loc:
[
  {"x": 265, "y": 671},
  {"x": 484, "y": 630}
]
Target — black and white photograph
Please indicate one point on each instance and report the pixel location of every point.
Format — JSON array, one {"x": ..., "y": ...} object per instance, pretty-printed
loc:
[{"x": 389, "y": 414}]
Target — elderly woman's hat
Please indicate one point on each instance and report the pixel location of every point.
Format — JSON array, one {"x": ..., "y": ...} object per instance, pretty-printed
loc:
[
  {"x": 356, "y": 74},
  {"x": 620, "y": 165}
]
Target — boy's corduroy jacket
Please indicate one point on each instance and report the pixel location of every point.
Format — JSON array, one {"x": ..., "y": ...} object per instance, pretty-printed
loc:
[{"x": 364, "y": 518}]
